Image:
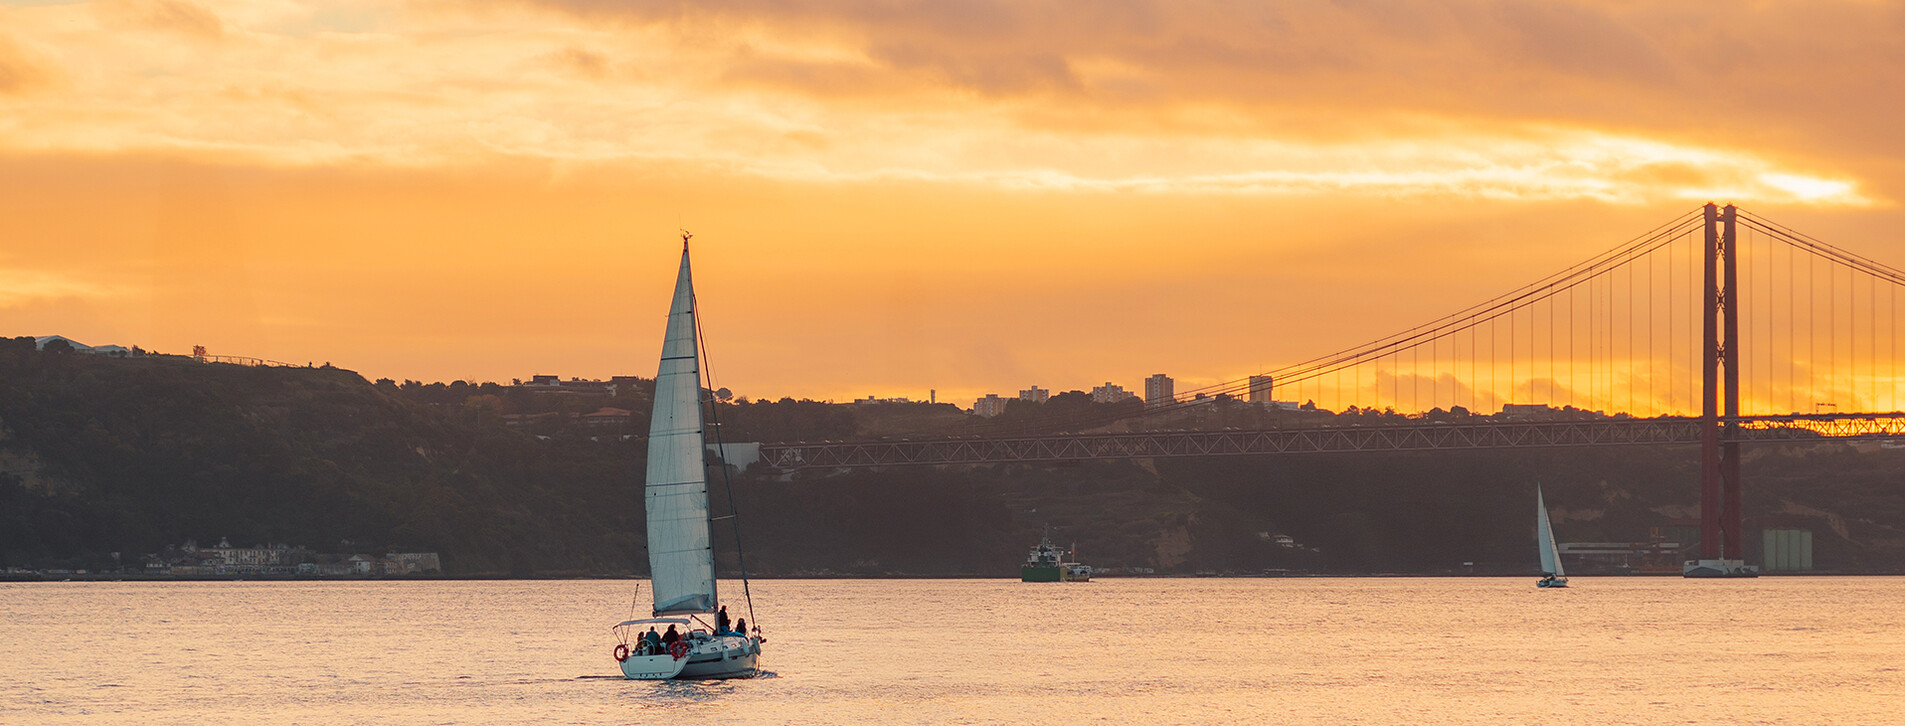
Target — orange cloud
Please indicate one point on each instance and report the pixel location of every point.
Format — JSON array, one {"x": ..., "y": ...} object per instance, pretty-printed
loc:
[
  {"x": 580, "y": 61},
  {"x": 19, "y": 72},
  {"x": 893, "y": 195},
  {"x": 1220, "y": 98},
  {"x": 174, "y": 16},
  {"x": 1793, "y": 74}
]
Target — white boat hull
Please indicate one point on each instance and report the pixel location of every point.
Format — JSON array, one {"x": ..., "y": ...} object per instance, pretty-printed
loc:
[
  {"x": 723, "y": 657},
  {"x": 1719, "y": 568},
  {"x": 652, "y": 667}
]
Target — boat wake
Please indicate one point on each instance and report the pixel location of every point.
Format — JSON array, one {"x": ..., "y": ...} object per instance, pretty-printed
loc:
[{"x": 690, "y": 683}]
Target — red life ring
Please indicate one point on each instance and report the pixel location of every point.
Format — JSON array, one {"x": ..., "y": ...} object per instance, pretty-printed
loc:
[
  {"x": 678, "y": 649},
  {"x": 621, "y": 652}
]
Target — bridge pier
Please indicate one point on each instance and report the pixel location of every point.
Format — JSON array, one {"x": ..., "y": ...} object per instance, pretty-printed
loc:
[{"x": 1722, "y": 519}]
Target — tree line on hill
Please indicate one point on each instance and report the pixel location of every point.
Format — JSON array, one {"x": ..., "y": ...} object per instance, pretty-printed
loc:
[{"x": 103, "y": 455}]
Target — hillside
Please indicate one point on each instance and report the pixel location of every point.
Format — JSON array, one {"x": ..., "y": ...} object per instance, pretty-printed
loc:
[
  {"x": 103, "y": 455},
  {"x": 108, "y": 455}
]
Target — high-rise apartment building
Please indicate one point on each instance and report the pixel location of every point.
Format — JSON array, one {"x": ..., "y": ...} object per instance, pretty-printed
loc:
[
  {"x": 1160, "y": 390},
  {"x": 991, "y": 405},
  {"x": 1260, "y": 389},
  {"x": 1035, "y": 394}
]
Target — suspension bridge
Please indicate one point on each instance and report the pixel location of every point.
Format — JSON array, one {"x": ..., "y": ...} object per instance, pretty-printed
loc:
[{"x": 1716, "y": 329}]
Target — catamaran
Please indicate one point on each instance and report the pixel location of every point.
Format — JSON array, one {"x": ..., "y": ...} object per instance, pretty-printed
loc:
[
  {"x": 1544, "y": 538},
  {"x": 680, "y": 543}
]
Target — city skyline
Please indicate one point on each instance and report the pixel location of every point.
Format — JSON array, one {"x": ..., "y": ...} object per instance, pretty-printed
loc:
[{"x": 887, "y": 202}]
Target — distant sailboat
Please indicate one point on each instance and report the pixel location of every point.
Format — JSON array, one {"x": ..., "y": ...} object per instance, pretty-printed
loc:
[
  {"x": 680, "y": 545},
  {"x": 1544, "y": 538}
]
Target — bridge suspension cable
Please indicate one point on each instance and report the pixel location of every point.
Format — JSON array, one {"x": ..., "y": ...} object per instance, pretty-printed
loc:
[{"x": 1617, "y": 334}]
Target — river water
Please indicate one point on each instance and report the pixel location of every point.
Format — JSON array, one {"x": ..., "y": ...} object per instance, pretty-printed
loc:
[{"x": 1198, "y": 651}]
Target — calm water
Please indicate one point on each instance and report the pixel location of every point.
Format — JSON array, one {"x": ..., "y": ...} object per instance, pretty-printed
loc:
[{"x": 1279, "y": 651}]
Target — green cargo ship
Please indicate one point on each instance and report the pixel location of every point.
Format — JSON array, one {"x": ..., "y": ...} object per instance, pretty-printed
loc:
[{"x": 1046, "y": 563}]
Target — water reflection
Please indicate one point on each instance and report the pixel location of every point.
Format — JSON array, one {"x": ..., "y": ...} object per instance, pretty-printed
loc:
[{"x": 1296, "y": 651}]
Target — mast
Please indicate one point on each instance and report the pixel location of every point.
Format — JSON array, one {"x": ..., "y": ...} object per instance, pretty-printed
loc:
[{"x": 721, "y": 452}]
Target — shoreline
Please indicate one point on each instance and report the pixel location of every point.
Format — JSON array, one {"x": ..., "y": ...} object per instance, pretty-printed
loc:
[{"x": 106, "y": 577}]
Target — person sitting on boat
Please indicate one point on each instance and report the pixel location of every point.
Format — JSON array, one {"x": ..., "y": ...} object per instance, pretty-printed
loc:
[
  {"x": 651, "y": 642},
  {"x": 1548, "y": 577},
  {"x": 670, "y": 637},
  {"x": 721, "y": 621},
  {"x": 740, "y": 627}
]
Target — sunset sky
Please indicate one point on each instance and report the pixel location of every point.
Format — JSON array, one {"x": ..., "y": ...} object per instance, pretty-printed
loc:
[{"x": 892, "y": 196}]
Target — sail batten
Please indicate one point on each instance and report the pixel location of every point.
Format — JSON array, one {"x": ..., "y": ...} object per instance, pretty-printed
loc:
[{"x": 680, "y": 558}]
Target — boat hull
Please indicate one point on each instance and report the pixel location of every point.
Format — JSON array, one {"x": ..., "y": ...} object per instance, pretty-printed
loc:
[
  {"x": 1036, "y": 573},
  {"x": 1551, "y": 583},
  {"x": 1719, "y": 568},
  {"x": 742, "y": 665},
  {"x": 1054, "y": 573},
  {"x": 652, "y": 667},
  {"x": 724, "y": 657}
]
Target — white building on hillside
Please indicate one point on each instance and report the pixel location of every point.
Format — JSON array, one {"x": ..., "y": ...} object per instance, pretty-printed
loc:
[{"x": 1110, "y": 393}]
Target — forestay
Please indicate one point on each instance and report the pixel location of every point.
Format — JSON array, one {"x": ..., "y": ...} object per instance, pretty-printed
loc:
[{"x": 680, "y": 558}]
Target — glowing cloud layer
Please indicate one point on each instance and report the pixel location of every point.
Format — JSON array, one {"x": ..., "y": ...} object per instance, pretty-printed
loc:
[
  {"x": 897, "y": 194},
  {"x": 1161, "y": 98}
]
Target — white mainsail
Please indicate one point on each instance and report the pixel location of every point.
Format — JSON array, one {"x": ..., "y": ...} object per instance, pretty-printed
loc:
[
  {"x": 680, "y": 552},
  {"x": 1544, "y": 536}
]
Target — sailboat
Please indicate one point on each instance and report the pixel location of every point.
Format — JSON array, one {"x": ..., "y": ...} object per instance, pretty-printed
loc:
[
  {"x": 1544, "y": 538},
  {"x": 680, "y": 543}
]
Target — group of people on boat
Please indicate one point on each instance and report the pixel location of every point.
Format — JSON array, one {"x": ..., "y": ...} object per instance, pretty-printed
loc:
[
  {"x": 721, "y": 624},
  {"x": 653, "y": 643}
]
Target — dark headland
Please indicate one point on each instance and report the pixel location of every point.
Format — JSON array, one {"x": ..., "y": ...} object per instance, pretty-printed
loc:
[{"x": 103, "y": 455}]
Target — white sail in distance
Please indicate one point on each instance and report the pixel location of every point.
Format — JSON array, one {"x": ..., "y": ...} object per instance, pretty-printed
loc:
[
  {"x": 680, "y": 548},
  {"x": 1544, "y": 536}
]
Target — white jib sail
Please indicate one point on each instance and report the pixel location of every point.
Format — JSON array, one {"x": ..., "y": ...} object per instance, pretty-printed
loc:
[
  {"x": 1544, "y": 535},
  {"x": 680, "y": 552}
]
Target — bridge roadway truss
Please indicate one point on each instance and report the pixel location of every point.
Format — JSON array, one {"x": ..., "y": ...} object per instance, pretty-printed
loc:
[{"x": 1335, "y": 439}]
